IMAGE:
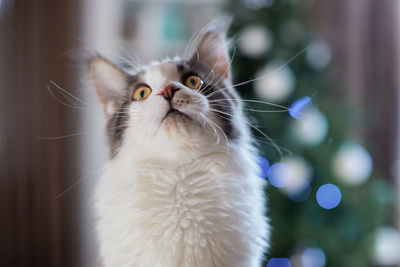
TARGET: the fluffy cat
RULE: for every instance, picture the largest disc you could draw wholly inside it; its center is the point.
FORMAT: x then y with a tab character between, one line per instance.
182	187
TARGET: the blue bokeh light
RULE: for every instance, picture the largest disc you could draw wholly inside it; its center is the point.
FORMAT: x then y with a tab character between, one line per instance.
264	166
302	195
329	196
279	262
297	108
279	175
313	257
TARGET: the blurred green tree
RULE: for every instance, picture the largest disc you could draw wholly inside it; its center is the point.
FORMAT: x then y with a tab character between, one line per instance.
326	203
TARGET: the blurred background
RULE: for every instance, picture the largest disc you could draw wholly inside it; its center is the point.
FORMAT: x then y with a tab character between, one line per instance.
327	91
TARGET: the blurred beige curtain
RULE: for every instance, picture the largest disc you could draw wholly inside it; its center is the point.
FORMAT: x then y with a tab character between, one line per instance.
36	228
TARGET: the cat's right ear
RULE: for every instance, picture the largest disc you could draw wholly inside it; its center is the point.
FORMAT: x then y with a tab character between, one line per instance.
110	83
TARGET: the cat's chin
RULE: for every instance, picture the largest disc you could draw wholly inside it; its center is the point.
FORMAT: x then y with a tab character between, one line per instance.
178	124
174	114
176	120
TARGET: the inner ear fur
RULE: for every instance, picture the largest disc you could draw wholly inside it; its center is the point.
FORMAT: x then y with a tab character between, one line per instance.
110	83
212	49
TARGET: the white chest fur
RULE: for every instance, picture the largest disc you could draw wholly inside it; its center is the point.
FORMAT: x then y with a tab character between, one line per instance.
207	213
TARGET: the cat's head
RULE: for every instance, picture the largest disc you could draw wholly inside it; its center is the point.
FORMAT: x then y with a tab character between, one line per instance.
171	107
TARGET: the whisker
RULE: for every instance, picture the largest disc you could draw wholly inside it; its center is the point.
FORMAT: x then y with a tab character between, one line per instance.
60	137
75	134
255	128
206	81
261	140
60	101
277	70
68	93
222	131
212	127
78	182
254	110
265	75
228	67
252	101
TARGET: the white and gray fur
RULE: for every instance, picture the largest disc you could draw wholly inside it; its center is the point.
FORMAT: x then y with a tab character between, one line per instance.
181	188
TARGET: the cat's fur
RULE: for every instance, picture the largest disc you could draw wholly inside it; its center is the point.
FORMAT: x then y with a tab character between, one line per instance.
183	189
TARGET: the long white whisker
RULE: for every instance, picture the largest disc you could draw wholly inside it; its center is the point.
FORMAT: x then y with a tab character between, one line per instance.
74	134
78	182
68	93
227	68
254	110
252	101
59	137
226	138
277	70
255	128
212	127
60	101
265	75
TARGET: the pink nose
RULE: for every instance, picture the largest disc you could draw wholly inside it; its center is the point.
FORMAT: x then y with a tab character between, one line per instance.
168	91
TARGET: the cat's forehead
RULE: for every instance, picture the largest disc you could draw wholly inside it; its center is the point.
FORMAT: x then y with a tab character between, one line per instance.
161	72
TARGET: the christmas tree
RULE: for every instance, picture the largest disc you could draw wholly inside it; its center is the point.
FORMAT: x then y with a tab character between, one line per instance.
327	202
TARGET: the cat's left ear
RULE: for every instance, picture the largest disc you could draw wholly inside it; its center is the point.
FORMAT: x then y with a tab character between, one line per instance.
212	50
110	83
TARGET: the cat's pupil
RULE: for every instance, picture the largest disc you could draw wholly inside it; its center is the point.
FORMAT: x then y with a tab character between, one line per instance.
142	93
193	82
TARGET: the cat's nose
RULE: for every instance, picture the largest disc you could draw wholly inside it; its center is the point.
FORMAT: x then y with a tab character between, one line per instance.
168	91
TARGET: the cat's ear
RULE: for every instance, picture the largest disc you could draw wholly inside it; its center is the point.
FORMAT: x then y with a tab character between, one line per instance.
110	83
212	49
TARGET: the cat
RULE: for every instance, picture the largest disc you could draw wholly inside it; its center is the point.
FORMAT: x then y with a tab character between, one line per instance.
182	186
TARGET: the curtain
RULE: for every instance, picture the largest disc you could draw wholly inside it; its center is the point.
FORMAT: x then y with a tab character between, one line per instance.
37	228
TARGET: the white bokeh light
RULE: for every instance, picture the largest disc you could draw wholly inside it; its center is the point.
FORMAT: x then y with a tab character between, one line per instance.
312	129
319	54
292	176
275	82
352	163
279	175
387	246
300	174
255	41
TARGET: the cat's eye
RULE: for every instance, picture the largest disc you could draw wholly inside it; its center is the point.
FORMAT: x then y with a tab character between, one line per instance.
141	93
193	81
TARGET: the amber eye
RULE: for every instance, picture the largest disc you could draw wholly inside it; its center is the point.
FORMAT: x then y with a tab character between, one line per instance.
141	93
193	82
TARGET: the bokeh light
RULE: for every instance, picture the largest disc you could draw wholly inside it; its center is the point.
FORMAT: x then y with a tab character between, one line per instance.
279	262
319	54
302	194
313	257
329	196
276	81
279	175
297	108
264	166
292	175
352	163
255	40
387	246
312	129
299	176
